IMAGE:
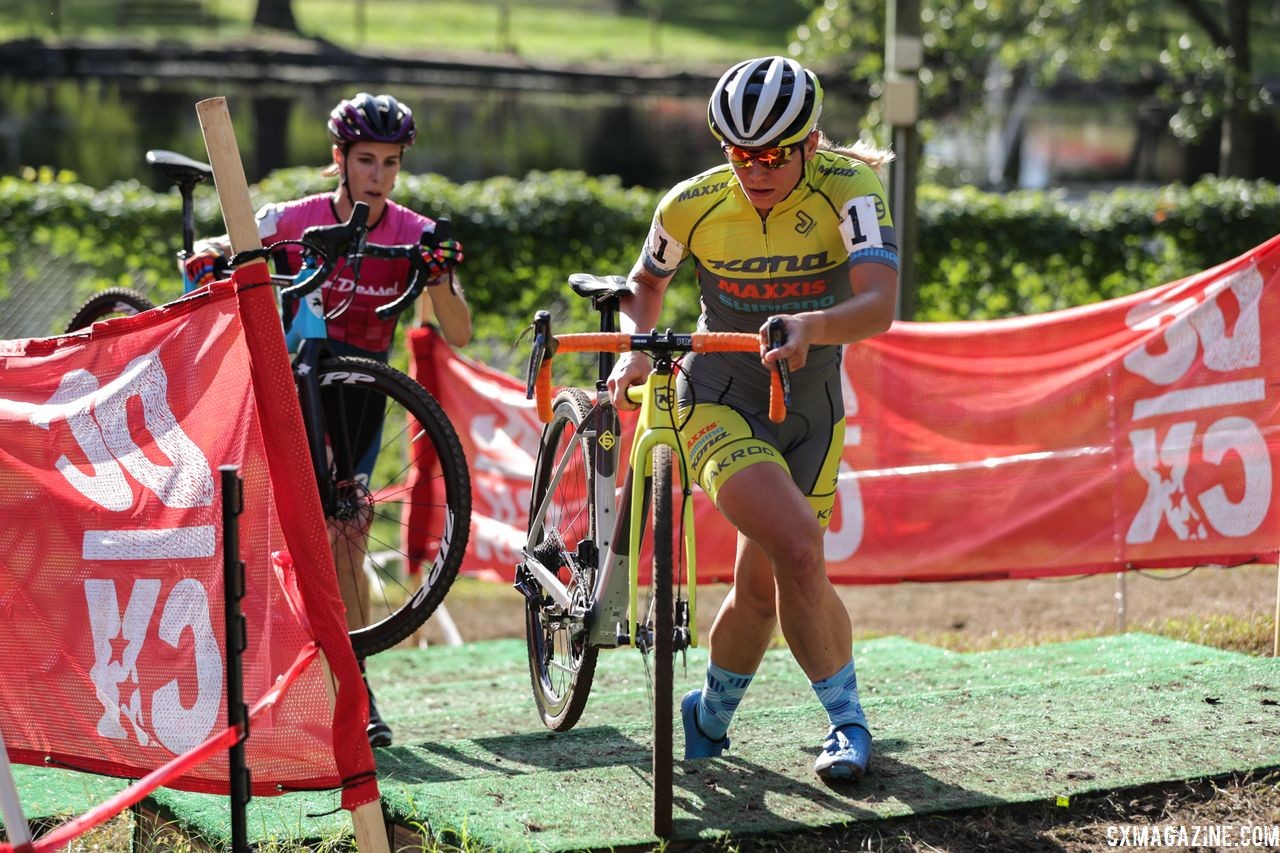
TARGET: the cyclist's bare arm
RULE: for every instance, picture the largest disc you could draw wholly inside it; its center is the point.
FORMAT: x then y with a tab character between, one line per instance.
443	301
869	312
639	312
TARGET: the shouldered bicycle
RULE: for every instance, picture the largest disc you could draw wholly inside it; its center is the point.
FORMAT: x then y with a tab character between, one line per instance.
579	569
368	427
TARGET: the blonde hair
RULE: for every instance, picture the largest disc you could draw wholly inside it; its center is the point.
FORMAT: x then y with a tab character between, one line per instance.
332	170
868	152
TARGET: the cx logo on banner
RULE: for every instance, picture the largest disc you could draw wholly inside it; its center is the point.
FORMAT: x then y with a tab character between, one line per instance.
119	638
98	420
1174	428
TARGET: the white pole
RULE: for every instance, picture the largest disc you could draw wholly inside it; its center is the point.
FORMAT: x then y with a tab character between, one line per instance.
10	807
1275	639
1120	603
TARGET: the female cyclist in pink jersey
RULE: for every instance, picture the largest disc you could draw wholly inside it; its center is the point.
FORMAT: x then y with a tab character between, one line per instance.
369	134
788	227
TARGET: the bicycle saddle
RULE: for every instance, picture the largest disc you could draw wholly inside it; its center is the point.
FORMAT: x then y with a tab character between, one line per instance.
177	168
602	289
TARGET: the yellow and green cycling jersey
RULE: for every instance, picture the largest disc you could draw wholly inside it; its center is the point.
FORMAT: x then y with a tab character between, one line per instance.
748	268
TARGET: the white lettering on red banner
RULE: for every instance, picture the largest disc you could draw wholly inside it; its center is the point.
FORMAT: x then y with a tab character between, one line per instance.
1133	433
1232	353
117	642
99	421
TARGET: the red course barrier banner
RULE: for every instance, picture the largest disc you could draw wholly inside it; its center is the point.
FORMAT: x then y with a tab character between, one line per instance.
111	563
1135	433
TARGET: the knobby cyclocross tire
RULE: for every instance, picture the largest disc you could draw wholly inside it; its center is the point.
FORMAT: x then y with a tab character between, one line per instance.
426	522
113	302
663	638
561	660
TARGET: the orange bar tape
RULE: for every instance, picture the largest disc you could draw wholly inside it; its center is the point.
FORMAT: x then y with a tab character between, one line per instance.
542	391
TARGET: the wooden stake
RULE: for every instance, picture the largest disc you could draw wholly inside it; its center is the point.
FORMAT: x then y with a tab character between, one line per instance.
242	228
228	174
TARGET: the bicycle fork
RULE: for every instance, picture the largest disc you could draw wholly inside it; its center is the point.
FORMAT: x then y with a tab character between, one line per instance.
620	551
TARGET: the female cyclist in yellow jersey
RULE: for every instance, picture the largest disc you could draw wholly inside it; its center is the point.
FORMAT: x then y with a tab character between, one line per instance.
790	228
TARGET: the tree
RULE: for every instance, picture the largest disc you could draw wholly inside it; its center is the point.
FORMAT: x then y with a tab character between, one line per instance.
276	14
990	55
1238	97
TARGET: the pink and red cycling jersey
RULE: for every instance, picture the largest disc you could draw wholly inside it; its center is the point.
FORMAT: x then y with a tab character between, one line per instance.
381	279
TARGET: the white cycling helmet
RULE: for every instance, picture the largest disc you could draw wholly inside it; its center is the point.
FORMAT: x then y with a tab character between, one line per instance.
766	102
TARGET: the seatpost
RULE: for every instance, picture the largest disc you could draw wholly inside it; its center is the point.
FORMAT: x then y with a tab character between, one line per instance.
608	323
187	189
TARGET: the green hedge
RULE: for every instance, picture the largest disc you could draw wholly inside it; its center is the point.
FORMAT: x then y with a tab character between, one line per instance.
981	255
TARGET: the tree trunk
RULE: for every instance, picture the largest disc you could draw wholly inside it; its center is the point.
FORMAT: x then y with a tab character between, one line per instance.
1237	155
276	14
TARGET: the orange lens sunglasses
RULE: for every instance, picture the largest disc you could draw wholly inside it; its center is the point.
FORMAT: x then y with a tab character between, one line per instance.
770	158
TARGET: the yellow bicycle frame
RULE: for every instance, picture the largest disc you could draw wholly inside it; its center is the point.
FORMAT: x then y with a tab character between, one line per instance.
656	425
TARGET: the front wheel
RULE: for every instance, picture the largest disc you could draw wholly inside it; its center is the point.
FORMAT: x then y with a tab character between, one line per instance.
400	499
113	302
562	539
663	638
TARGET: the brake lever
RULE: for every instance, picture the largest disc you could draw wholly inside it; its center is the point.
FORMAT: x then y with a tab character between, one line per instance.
541	335
778	337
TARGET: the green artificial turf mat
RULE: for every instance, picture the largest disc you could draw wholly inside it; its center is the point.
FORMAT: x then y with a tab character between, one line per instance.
50	796
953	731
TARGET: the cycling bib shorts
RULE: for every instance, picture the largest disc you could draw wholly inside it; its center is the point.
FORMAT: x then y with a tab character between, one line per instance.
721	440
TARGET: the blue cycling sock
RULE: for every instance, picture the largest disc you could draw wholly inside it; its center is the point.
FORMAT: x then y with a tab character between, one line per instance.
839	695
720	697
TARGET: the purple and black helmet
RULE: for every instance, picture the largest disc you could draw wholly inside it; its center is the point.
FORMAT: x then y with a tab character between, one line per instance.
372	118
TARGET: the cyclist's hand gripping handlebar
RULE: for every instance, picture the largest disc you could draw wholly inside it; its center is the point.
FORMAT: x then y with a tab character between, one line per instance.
545	346
422	270
324	245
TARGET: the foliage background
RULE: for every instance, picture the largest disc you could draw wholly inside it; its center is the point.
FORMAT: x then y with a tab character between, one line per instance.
982	255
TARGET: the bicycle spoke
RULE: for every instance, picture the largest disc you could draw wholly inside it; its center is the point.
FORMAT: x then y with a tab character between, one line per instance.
393	520
561	661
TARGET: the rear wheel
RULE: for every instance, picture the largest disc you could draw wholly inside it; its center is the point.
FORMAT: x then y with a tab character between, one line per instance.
114	302
562	539
663	637
401	512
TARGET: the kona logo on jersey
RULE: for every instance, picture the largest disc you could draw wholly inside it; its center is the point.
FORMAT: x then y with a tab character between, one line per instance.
697	192
773	290
841	171
773	263
804	223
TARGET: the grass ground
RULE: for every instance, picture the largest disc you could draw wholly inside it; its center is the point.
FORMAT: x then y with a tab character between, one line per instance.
710	32
1229	609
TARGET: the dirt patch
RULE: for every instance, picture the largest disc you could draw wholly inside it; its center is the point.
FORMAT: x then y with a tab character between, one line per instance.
967	615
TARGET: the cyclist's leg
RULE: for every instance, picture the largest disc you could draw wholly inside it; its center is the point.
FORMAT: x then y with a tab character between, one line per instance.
349	538
766	506
720	438
782	555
